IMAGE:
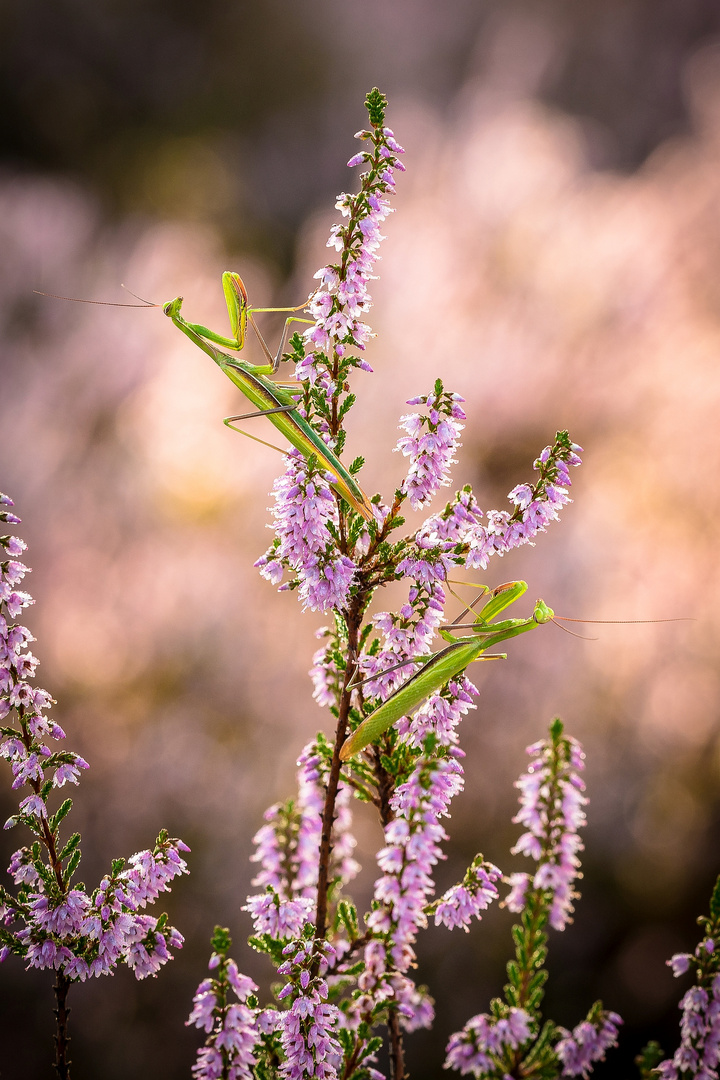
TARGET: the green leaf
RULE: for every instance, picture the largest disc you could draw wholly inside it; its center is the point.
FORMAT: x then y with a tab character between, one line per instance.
346	1039
648	1059
266	944
72	865
348	916
59	814
221	941
346	407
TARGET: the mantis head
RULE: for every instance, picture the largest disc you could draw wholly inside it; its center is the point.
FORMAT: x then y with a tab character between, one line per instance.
543	613
172	308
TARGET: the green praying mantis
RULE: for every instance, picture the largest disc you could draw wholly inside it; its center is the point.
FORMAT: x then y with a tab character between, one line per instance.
444	665
271	398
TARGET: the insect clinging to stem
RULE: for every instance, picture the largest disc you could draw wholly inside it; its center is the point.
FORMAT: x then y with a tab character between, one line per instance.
440	667
275	399
444	665
271	398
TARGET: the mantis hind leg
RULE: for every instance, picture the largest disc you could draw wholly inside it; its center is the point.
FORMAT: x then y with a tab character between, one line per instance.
228	421
275	361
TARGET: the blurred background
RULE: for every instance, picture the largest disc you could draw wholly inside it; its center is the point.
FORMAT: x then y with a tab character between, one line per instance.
555	257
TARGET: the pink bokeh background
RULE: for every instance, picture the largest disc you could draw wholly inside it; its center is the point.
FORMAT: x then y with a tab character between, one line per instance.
551	294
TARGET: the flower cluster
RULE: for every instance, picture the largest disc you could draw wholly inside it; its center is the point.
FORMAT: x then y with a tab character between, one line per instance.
459	535
64	928
307	1027
305	511
29	756
699	1051
229	1050
464	902
551	802
341	302
306	517
588	1042
412	848
287	847
430	443
85	936
480	1047
511	1040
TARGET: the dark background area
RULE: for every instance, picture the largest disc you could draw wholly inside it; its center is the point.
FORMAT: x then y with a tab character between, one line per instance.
556	253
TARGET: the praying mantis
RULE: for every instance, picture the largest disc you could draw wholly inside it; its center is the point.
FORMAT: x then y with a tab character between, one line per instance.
444	665
272	399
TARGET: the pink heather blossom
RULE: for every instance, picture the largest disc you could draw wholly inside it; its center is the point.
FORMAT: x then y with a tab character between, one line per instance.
21	867
343	299
680	963
86	937
578	1051
430	443
304	510
69	771
461	522
412	848
232	1029
287	848
699	1049
279	918
327	680
464	902
307	1027
480	1046
26	751
272	842
551	802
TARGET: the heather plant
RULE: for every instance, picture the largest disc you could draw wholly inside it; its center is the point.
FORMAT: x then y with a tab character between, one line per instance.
347	977
51	920
345	996
699	1051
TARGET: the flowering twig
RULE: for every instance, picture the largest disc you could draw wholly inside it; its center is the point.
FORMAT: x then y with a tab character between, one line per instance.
698	1054
512	1041
58	926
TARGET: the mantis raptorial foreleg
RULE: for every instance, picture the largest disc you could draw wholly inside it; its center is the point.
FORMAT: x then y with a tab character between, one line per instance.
240	313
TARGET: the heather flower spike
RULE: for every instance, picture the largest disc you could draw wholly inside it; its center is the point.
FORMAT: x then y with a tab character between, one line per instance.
551	802
225	1007
430	443
511	1039
698	1053
46	921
